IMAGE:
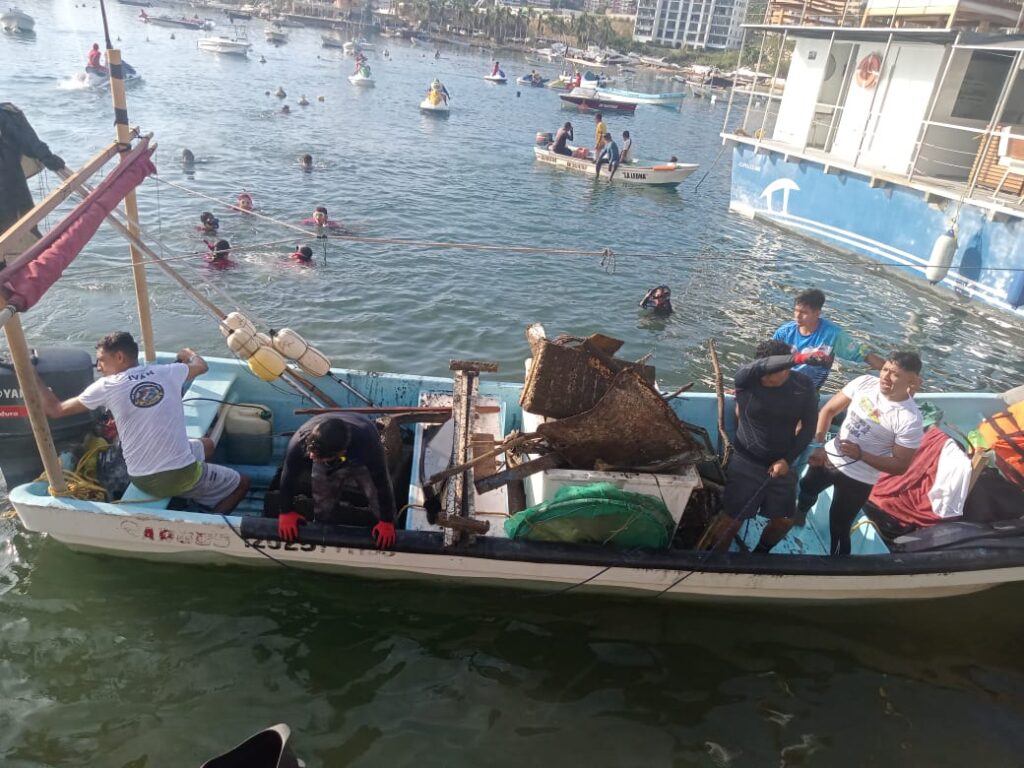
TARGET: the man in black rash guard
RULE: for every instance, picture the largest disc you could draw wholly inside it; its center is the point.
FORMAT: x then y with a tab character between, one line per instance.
330	449
778	411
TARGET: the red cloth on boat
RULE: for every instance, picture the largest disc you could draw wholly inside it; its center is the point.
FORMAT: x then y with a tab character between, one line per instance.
28	277
905	497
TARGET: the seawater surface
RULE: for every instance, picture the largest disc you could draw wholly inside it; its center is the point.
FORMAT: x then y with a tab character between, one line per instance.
121	663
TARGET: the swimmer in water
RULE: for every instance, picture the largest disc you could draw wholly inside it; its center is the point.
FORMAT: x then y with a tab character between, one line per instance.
280	92
321	220
220	254
306	162
658	300
187	158
303	101
303	255
209	224
245	201
286	110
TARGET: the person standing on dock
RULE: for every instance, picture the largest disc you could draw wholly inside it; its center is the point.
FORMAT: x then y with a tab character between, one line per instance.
777	409
881	433
146	403
326	453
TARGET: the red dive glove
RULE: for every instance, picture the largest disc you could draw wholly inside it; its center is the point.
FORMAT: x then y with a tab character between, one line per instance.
288	525
813	357
384	535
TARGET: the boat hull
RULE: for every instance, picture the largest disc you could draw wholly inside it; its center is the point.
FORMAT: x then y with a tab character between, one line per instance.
636	97
225	47
496	79
894	224
441	110
668	175
181	537
596	104
17	23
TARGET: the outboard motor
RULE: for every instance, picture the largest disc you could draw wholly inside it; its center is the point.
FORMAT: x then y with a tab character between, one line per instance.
67	372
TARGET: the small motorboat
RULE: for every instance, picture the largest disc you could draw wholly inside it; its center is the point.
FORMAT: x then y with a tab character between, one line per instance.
363	77
97	81
332	40
276	35
17	22
137	3
237	45
364	45
181	22
234	15
667	99
630	174
533	82
588	99
498	77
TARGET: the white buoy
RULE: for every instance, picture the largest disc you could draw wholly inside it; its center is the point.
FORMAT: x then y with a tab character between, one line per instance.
243	343
941	259
234	321
293	346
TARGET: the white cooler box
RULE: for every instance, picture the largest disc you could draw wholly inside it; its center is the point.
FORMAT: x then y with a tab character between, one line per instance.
674	490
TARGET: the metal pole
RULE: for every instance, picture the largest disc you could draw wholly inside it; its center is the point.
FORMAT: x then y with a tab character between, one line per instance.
931	109
775	76
828	52
33	403
131	208
757	70
996	117
874	97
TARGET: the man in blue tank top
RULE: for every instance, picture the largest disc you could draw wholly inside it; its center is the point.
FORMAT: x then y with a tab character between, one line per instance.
808	331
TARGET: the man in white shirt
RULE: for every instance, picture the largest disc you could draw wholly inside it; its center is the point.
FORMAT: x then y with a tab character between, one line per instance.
881	433
626	153
145	401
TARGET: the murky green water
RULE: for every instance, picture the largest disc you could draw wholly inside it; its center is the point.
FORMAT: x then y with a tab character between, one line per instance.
117	663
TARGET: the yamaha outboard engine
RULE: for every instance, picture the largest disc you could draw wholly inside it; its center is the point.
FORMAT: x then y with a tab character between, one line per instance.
67	372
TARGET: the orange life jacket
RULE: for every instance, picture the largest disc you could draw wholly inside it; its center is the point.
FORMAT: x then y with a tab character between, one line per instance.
1003	434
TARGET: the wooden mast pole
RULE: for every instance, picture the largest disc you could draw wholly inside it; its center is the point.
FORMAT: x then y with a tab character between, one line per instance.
22	359
131	209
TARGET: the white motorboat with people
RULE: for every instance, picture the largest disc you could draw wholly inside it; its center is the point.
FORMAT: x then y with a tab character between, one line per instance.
182	22
236	45
16	22
436	100
669	174
586	477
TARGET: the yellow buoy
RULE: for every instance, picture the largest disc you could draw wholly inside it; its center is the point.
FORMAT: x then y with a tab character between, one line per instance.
267	363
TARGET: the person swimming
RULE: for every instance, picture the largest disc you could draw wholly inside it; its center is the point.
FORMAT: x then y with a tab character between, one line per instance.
219	255
303	101
306	162
209	224
187	158
244	201
321	220
303	255
286	110
658	300
280	92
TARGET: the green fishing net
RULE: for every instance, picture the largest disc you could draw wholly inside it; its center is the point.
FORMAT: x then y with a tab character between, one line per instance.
599	513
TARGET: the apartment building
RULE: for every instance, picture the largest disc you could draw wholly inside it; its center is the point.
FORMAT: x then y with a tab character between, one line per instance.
713	24
614	7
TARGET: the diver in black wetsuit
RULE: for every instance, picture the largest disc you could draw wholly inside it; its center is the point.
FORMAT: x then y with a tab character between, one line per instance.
17	138
322	455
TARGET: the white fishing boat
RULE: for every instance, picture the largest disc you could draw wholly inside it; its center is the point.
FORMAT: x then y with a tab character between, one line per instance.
276	35
669	99
236	45
661	175
479	536
16	22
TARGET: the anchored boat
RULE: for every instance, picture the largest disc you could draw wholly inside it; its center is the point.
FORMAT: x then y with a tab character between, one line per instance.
17	22
236	45
662	175
589	99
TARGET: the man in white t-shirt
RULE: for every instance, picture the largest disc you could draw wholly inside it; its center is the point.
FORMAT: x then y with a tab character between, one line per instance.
145	401
881	433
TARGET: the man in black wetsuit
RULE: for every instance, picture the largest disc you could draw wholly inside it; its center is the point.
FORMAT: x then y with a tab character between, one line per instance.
778	411
17	138
322	455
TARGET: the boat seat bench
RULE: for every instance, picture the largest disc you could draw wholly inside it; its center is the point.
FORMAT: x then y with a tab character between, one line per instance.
203	418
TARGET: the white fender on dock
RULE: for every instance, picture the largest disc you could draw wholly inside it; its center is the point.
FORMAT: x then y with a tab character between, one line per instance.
941	259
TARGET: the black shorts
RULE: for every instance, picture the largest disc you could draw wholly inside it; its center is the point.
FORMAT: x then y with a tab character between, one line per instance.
745	496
